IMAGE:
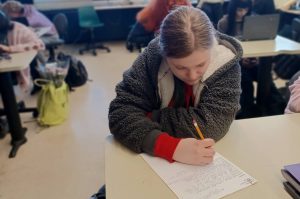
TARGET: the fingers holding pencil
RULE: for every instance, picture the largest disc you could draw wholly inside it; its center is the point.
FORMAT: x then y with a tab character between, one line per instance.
195	152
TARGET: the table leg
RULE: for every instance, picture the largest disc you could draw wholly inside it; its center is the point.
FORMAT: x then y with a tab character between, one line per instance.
264	80
12	114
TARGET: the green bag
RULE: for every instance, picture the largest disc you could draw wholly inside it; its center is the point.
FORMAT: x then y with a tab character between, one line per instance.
53	104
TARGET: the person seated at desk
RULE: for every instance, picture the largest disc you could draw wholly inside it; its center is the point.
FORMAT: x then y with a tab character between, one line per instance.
232	24
176	84
35	19
15	37
294	101
149	20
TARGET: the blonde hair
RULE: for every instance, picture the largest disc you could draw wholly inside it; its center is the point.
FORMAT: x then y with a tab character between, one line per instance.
184	30
12	7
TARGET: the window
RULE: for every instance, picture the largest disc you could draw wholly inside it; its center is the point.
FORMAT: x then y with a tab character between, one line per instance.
62	4
57	4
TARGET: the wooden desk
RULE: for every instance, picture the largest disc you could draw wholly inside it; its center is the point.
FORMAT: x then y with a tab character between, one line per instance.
265	49
259	146
17	62
286	7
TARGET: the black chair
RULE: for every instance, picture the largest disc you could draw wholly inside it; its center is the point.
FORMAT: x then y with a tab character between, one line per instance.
214	11
296	29
287	67
294	78
22	20
89	21
61	24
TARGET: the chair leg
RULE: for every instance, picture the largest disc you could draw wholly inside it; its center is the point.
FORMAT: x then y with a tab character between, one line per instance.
23	109
87	46
101	46
51	54
91	44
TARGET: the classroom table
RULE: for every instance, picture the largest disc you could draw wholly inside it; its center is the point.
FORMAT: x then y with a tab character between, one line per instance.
259	146
41	31
265	49
289	7
17	62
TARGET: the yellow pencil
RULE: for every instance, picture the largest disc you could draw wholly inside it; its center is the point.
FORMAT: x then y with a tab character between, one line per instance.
198	129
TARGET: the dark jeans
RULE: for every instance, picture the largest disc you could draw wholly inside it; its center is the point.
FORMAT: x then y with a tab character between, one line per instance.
247	101
214	11
248	109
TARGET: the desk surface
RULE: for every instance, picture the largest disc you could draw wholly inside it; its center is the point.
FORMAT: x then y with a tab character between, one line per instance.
17	62
41	31
287	5
266	48
260	147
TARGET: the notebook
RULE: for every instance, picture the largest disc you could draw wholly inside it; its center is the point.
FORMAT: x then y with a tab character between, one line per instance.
291	190
260	27
294	170
292	181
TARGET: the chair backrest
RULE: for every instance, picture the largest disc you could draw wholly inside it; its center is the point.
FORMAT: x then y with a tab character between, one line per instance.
88	17
296	29
294	78
61	24
22	20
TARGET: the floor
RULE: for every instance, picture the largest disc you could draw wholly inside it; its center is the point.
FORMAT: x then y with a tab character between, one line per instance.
67	161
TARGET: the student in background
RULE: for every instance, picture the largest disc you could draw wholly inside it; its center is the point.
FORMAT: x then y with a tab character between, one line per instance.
15	37
294	101
149	20
176	84
232	24
35	19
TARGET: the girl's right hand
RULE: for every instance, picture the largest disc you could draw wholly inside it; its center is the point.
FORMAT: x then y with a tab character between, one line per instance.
194	152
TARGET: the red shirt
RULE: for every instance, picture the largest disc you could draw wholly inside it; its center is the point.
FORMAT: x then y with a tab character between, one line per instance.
165	144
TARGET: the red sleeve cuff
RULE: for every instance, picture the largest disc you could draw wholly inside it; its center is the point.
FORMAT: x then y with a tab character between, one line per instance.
165	146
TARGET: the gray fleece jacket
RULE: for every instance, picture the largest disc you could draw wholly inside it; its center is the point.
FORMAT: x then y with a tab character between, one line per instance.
139	93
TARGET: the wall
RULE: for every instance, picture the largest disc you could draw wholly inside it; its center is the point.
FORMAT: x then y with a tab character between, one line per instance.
117	24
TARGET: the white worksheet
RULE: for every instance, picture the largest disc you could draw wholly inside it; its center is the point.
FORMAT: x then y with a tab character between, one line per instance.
215	180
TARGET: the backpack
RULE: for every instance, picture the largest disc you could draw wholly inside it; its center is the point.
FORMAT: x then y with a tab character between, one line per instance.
77	73
286	66
52	103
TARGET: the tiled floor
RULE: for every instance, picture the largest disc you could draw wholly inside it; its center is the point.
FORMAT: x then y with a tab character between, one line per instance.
67	161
